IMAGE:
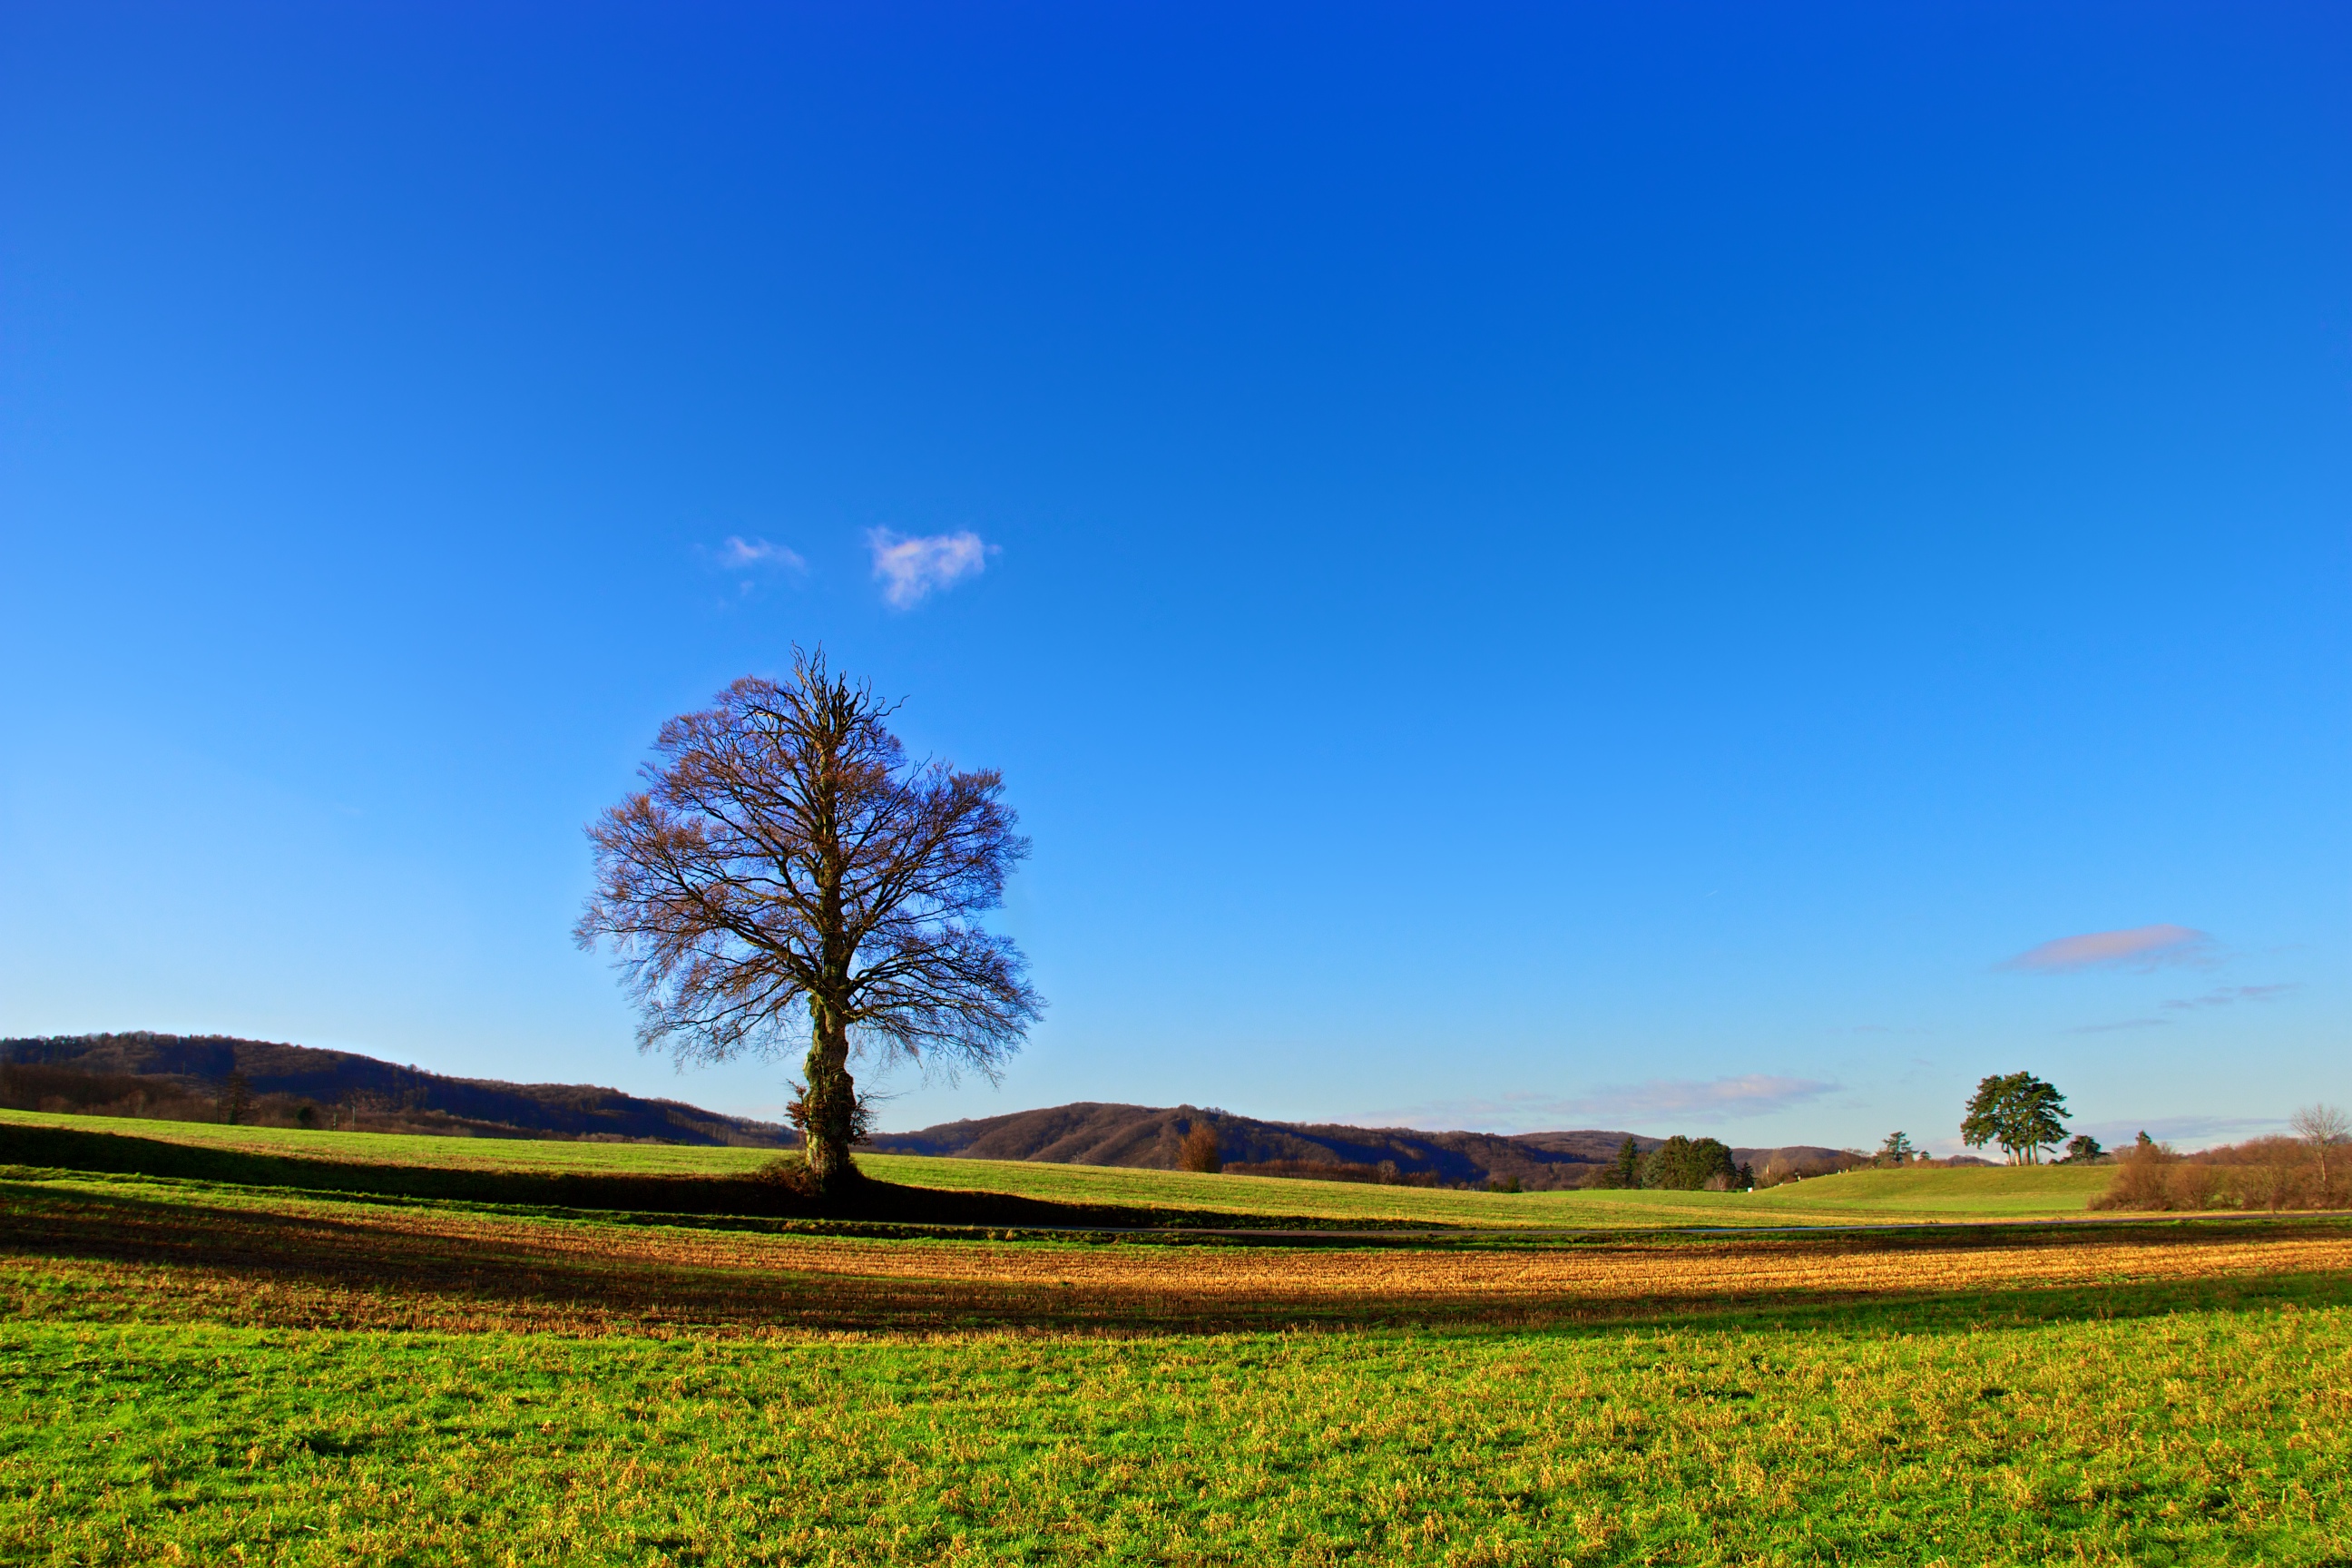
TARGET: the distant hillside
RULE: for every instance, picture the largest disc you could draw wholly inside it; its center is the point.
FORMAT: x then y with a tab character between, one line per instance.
1087	1133
180	1076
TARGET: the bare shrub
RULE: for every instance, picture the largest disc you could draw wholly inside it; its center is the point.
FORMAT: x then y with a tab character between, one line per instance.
2141	1179
1199	1151
2275	1174
2326	1130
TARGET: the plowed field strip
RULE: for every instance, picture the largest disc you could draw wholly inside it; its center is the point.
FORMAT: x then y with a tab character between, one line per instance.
335	1262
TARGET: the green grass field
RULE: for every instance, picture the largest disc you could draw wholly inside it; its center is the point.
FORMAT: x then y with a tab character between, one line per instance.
2044	1192
200	1371
2203	1436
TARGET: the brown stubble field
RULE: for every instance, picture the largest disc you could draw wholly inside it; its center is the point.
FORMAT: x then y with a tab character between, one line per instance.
112	1250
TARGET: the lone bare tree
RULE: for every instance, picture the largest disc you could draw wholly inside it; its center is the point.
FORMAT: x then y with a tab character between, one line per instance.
787	866
2324	1127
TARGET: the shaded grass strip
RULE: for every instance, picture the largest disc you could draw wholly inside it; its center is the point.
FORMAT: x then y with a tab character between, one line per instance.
871	1201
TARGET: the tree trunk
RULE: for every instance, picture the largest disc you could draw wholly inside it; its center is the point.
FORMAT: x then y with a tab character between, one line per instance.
830	1102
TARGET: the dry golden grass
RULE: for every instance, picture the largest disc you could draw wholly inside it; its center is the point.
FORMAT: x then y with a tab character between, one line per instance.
171	1252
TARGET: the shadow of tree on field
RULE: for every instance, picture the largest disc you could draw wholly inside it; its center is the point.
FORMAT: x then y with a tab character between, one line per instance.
115	1154
266	1259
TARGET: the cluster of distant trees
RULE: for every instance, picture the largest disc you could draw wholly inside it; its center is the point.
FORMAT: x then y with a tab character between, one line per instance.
1687	1164
1678	1164
2017	1113
2307	1167
37	1086
2022	1115
231	1099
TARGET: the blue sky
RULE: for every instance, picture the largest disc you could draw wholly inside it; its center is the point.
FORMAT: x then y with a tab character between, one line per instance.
1525	567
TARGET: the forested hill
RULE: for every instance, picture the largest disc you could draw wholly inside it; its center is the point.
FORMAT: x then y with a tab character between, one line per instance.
183	1077
1087	1133
144	1074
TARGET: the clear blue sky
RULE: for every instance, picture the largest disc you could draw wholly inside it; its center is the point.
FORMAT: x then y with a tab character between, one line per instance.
1534	567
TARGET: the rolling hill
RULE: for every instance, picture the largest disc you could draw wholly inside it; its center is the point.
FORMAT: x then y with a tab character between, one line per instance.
180	1077
1147	1137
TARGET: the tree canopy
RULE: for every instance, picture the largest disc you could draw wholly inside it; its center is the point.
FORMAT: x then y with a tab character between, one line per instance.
2018	1112
787	867
1687	1164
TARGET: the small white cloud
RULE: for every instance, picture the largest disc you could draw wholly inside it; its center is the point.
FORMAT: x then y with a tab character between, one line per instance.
2125	1023
909	567
2141	947
742	554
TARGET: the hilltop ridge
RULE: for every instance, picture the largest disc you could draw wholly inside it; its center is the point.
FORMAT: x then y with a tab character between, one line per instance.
1090	1132
179	1077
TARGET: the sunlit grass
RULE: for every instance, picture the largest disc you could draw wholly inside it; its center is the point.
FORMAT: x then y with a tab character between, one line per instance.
2046	1191
201	1371
2214	1436
551	1155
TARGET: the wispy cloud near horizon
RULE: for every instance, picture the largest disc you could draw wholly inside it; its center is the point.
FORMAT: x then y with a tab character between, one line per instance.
2231	995
2194	1132
2224	996
1749	1094
2140	947
910	567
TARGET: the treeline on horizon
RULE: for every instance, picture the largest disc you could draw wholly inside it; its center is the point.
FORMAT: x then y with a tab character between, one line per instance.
1677	1164
147	1076
407	1106
2307	1168
231	1100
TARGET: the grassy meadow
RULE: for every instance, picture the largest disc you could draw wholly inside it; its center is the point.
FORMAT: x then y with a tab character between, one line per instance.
207	1372
1922	1197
